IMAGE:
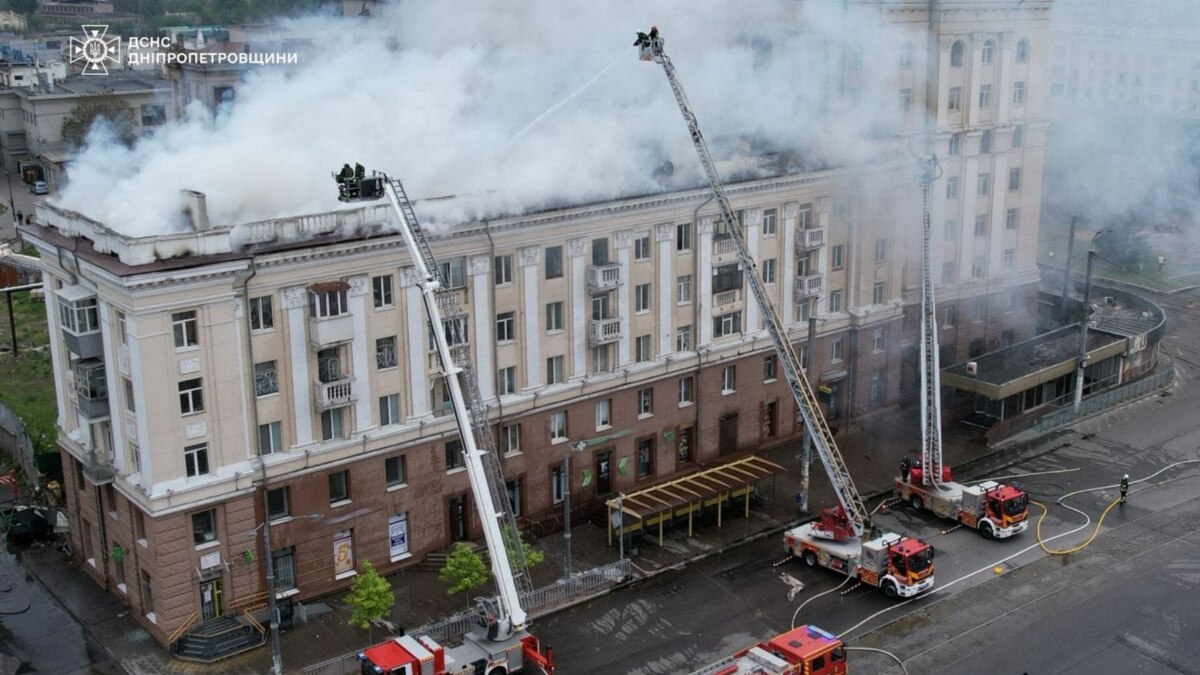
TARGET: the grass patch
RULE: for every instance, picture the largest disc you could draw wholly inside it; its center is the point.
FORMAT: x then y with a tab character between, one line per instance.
27	380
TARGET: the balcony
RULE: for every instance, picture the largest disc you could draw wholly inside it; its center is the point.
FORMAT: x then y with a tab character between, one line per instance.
605	331
91	389
808	286
724	247
807	240
724	298
330	330
79	316
334	394
603	277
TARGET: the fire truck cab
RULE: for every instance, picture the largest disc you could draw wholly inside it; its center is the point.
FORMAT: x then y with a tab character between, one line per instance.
806	650
897	565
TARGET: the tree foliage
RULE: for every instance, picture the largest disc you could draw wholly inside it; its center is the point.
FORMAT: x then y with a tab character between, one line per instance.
464	570
116	112
532	555
370	597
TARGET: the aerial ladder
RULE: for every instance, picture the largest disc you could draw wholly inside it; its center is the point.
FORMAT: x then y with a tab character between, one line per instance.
839	539
994	510
502	644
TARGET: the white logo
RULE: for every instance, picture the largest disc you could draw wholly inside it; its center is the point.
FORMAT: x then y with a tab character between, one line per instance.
95	50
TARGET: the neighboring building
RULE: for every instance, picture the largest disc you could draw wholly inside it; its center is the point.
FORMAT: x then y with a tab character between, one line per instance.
1134	56
19	74
31	118
188	367
85	9
12	21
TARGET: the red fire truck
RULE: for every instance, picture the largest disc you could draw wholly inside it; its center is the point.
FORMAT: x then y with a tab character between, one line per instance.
806	650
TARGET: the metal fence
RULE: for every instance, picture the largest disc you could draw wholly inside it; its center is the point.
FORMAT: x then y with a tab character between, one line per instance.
1108	399
539	602
15	441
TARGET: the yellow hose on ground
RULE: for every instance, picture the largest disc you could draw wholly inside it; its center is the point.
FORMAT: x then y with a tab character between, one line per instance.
1073	549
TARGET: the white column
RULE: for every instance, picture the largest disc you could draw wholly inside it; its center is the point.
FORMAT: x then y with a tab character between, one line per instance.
295	300
825	221
1004	79
975	53
112	380
360	355
530	257
139	401
996	226
704	269
581	309
967	187
417	342
666	288
945	43
787	271
59	362
625	306
752	228
481	332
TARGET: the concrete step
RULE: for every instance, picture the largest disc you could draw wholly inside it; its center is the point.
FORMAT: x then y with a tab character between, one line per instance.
434	561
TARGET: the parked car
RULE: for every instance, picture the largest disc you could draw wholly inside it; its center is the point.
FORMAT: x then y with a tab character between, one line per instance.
39	187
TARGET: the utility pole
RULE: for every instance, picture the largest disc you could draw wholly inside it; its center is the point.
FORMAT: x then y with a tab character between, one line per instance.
806	445
269	563
1066	285
1087	292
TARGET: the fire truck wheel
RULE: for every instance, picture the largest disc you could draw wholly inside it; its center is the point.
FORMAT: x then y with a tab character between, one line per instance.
889	589
810	558
916	502
987	530
498	671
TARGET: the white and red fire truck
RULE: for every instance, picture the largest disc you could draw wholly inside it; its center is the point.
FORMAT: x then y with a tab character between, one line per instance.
996	511
806	650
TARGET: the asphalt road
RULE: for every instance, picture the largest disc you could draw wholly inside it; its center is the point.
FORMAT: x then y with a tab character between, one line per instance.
1126	603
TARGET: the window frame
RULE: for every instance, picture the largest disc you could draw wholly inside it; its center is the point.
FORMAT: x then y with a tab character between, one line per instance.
558	426
191	396
338	483
273	436
185	327
262	314
506	327
382	294
395	471
554	316
502	270
195	460
209	535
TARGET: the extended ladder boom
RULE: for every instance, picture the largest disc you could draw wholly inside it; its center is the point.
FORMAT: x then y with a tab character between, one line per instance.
479	454
652	50
931	399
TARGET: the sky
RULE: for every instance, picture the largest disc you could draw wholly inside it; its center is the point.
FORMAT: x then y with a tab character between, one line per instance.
511	107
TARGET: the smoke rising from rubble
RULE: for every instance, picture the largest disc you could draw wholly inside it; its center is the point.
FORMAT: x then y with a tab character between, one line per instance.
437	93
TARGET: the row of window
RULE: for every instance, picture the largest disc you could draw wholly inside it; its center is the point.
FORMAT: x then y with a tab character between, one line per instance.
983	183
985	141
954	97
987	52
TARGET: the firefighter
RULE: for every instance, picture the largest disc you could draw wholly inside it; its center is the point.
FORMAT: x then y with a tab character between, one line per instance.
1124	487
359	171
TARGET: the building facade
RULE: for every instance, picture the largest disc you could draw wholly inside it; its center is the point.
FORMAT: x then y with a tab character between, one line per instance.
281	372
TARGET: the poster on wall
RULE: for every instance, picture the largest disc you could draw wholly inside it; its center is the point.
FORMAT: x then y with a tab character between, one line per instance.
398	535
343	553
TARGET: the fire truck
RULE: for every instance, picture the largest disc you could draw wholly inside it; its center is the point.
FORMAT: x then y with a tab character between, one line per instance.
806	650
500	644
996	511
898	565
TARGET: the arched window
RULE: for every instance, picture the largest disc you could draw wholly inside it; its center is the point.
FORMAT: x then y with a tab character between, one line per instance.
956	54
1022	50
989	49
906	55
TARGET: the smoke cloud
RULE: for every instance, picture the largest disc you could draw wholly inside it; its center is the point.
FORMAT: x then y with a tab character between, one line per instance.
512	108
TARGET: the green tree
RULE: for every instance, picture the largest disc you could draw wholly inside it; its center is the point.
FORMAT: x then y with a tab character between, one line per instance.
464	570
370	598
532	555
111	108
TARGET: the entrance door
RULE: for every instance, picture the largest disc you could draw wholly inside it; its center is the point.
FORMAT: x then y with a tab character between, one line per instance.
729	434
603	477
458	518
210	599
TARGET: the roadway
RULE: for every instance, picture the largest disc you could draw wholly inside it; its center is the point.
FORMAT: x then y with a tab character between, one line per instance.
1126	603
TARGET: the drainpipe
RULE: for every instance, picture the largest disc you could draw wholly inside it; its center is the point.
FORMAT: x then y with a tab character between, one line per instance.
268	563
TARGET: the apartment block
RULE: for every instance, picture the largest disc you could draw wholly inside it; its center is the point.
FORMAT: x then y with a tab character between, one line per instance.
214	381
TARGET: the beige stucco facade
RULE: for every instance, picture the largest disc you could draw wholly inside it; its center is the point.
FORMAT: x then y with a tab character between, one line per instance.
625	316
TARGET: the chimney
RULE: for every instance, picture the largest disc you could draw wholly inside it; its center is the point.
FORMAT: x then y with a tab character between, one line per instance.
196	209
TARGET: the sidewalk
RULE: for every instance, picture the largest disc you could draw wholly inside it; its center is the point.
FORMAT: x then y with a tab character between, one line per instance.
872	448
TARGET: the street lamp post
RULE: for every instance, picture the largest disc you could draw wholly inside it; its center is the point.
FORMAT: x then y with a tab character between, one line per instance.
568	448
269	564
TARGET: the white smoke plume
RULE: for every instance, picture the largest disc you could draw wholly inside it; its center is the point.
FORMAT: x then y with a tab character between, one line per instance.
443	94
